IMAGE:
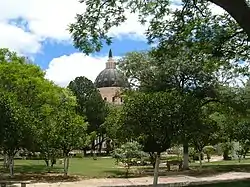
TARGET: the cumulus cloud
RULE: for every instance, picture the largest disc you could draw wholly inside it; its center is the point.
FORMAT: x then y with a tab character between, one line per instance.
50	19
65	68
47	19
18	40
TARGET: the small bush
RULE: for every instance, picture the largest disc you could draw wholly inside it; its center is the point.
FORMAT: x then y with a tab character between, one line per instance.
128	154
209	150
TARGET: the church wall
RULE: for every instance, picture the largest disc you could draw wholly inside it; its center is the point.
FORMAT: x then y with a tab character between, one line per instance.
110	94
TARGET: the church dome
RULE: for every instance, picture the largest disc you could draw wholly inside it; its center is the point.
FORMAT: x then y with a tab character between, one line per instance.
110	76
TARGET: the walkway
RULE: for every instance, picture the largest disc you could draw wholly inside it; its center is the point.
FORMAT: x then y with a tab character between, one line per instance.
147	181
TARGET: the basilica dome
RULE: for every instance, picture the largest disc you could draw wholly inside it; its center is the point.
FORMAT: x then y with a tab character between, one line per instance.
110	76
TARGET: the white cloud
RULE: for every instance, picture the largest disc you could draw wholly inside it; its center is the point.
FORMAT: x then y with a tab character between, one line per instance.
48	19
66	68
18	40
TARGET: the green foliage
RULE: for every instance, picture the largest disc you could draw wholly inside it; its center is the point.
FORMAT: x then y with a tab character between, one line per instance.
70	126
194	155
151	118
207	132
89	102
35	115
127	153
192	22
209	150
113	123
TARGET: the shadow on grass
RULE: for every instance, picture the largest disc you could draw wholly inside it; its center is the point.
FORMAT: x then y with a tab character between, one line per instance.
218	169
195	171
40	173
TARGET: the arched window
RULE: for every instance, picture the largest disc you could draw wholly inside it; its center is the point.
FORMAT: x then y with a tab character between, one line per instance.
113	99
105	98
121	100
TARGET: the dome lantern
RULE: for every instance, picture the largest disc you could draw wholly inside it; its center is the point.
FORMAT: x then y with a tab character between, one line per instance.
110	64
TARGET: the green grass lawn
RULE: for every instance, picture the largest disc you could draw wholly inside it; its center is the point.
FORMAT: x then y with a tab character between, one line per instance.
83	167
105	167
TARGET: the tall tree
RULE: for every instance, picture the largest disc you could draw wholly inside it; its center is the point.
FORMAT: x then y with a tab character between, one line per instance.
152	118
90	104
192	77
70	126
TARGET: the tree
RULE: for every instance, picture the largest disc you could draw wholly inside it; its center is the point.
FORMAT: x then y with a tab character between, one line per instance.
151	118
208	150
207	132
13	128
89	104
90	30
23	92
193	77
112	124
127	153
47	132
70	126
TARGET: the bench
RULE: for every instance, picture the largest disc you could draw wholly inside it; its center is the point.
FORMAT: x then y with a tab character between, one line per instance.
5	183
174	162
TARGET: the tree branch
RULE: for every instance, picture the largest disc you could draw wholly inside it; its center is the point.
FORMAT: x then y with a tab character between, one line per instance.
239	10
209	101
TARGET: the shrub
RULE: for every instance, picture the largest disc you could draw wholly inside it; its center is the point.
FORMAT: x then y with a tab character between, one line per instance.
208	150
128	154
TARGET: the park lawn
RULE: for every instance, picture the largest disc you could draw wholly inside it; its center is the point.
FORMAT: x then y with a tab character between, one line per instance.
87	167
223	166
102	167
223	162
105	167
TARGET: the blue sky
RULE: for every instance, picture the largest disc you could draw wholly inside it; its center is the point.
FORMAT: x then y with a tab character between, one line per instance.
37	29
119	48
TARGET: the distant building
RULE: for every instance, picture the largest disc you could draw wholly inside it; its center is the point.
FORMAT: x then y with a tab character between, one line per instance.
110	81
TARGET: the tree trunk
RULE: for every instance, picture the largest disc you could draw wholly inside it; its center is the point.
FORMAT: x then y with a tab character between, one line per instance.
92	148
5	161
239	10
200	160
156	170
47	162
11	165
186	157
52	162
84	152
66	165
100	146
225	155
152	156
108	146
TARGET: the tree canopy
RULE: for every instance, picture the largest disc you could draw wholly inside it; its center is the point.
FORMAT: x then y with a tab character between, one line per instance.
90	30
